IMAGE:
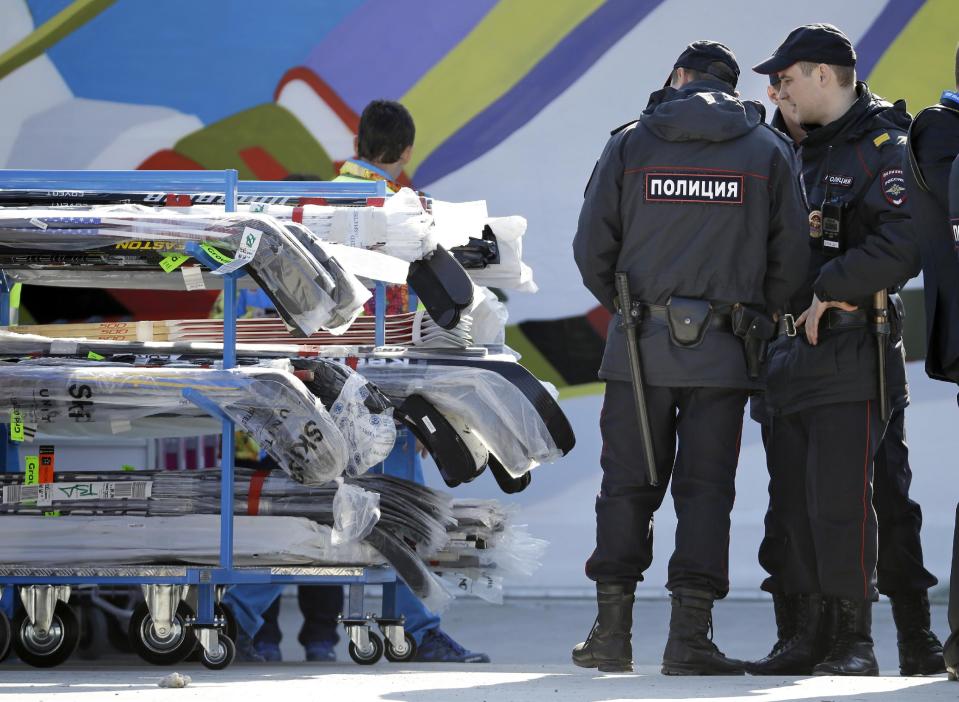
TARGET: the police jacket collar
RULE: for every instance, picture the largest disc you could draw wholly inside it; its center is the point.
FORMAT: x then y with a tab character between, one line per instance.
867	113
704	110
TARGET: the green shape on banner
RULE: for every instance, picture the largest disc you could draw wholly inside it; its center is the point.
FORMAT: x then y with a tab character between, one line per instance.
127	469
16	425
216	254
15	296
269	132
171	262
94	356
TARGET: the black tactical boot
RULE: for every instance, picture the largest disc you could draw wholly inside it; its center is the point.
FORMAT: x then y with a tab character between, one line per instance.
608	646
798	653
851	652
690	649
920	652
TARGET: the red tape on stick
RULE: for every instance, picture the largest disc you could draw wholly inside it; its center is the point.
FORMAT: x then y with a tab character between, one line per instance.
256	487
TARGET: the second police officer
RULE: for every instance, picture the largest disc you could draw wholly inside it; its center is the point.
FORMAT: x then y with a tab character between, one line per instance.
699	203
901	573
823	385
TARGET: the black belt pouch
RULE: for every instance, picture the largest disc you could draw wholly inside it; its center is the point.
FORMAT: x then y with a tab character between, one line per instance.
688	320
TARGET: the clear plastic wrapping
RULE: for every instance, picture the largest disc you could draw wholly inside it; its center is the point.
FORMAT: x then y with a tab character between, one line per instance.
495	409
272	405
91	541
304	292
370	435
355	512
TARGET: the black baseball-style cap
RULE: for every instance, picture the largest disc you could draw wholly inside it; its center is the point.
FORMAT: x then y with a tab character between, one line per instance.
703	56
820	43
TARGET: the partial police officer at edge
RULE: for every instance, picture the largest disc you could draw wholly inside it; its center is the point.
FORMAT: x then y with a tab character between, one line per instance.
933	147
901	572
823	384
699	202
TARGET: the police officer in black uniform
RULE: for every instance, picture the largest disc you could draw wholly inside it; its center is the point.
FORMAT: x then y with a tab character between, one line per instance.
901	573
699	201
933	145
823	382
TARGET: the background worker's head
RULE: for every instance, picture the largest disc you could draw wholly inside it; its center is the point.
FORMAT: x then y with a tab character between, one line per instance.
816	67
786	110
385	137
705	60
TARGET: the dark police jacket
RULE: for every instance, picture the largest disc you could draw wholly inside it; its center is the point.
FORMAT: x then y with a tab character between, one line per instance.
696	199
933	144
865	174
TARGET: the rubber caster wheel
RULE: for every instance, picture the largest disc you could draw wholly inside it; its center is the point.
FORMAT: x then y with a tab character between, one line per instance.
367	657
405	655
226	652
158	649
229	628
52	647
6	634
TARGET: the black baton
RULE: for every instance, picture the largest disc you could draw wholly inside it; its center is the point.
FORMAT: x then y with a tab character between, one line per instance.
629	313
880	327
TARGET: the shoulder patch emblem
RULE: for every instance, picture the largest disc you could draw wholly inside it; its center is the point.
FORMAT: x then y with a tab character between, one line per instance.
881	139
679	187
893	183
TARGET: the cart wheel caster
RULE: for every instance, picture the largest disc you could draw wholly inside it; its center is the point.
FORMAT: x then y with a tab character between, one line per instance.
226	652
158	649
6	634
403	656
52	647
371	656
229	628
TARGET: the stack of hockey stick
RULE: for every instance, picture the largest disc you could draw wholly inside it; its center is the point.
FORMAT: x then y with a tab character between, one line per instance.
485	546
469	412
309	289
409	329
403	521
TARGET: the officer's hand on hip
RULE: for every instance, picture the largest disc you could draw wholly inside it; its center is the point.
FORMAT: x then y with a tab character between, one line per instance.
810	318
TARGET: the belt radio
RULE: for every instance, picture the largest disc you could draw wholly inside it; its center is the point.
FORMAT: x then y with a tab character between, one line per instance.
832	208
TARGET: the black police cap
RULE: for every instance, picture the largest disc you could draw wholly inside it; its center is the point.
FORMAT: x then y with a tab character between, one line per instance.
819	43
710	57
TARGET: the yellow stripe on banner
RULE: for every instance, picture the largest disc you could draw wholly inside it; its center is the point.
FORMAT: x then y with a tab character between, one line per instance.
512	38
920	64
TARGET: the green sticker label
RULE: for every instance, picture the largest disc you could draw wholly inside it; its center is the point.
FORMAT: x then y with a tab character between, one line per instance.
94	356
31	471
16	425
171	262
216	254
15	296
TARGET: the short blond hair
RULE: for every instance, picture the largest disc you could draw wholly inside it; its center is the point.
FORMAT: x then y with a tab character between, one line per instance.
845	75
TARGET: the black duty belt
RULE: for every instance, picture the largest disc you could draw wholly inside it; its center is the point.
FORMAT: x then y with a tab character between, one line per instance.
657	313
834	319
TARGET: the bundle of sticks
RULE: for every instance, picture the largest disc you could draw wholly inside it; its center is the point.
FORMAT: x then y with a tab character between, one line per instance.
408	329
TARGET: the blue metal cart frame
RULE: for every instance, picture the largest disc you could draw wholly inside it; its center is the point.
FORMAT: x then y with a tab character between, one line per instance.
49	585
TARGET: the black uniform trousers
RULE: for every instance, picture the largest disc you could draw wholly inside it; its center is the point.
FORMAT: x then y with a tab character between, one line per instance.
950	649
708	425
320	605
900	562
821	493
